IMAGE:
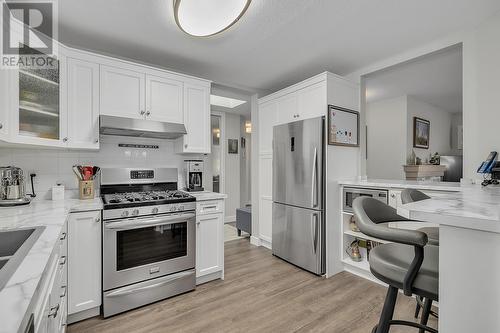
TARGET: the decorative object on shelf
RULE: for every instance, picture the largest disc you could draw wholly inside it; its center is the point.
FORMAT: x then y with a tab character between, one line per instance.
418	161
343	127
352	224
232	146
435	159
208	18
411	160
421	133
353	251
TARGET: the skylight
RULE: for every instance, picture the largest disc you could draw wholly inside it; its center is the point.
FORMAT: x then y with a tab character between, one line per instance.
225	101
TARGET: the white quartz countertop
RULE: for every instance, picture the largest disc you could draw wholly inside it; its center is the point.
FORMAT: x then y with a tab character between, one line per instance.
207	195
17	295
394	183
473	208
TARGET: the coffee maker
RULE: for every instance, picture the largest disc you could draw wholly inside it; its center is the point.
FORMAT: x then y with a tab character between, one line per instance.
12	187
194	175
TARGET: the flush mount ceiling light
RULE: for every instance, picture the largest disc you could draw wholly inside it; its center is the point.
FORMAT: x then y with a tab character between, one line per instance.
208	17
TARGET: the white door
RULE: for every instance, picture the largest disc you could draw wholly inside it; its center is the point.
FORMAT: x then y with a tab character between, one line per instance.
197	119
84	261
122	92
267	119
312	101
287	108
209	244
83	104
164	99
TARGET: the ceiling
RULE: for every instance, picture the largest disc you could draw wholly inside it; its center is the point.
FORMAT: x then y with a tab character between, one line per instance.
276	43
434	78
242	110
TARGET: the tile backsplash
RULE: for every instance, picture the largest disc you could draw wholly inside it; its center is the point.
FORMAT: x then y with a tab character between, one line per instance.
53	166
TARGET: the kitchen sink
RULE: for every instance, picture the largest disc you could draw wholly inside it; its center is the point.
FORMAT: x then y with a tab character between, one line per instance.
14	246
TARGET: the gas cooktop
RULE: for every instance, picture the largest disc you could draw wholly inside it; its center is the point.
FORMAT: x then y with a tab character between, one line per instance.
145	198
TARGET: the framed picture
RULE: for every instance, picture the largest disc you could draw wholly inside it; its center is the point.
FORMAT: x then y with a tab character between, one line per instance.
421	133
343	127
243	143
232	146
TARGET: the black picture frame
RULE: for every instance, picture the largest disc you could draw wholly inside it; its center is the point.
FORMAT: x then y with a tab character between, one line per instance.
421	133
348	138
232	146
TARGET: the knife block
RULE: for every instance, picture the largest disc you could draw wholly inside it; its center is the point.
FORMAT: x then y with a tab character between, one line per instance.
86	188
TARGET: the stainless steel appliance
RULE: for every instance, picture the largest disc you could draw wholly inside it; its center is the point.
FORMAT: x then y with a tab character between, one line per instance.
454	168
298	194
113	125
194	175
12	187
148	238
351	193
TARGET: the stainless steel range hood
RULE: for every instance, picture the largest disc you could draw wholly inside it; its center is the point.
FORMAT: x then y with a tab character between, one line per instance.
112	125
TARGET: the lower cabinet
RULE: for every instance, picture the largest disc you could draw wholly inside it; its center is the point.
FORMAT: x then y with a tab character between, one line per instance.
84	267
209	246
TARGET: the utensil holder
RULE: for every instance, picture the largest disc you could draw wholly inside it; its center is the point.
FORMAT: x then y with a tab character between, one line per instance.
86	189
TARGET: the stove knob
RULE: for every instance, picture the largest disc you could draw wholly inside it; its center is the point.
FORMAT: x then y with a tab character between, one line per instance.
181	208
172	209
155	210
125	213
135	212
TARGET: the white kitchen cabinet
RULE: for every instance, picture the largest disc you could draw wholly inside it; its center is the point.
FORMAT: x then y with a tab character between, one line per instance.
287	108
164	99
311	101
4	103
209	240
267	119
83	104
196	120
84	256
122	92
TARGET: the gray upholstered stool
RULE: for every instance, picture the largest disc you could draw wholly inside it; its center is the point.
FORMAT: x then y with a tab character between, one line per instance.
406	263
411	195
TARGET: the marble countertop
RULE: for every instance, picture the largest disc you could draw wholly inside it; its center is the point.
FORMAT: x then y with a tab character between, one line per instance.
207	195
394	183
16	297
473	207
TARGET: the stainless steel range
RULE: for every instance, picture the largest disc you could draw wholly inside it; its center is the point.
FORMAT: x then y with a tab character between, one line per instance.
148	238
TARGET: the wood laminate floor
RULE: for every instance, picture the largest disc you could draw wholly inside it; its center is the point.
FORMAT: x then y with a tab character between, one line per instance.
262	293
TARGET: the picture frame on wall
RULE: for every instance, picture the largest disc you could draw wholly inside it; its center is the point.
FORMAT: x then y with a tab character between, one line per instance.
421	133
232	146
343	127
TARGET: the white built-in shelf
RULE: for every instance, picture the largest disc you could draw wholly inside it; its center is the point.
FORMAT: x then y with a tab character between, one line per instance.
361	235
38	111
363	264
348	213
38	77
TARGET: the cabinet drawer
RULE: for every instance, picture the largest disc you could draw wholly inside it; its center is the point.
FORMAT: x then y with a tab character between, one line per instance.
209	207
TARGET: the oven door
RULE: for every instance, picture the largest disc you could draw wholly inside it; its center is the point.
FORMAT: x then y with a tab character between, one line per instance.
139	249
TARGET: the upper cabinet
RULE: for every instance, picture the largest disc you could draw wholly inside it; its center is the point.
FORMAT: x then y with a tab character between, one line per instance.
164	99
122	92
196	120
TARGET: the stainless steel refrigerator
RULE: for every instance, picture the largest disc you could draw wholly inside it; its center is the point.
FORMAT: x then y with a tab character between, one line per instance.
298	194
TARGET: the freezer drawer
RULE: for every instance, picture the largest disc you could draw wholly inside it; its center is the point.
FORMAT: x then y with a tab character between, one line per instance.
298	237
298	163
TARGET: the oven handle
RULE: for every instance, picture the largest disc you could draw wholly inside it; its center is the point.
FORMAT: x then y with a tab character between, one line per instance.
163	281
148	222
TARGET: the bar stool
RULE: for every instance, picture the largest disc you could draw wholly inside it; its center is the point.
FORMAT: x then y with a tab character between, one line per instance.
406	263
411	195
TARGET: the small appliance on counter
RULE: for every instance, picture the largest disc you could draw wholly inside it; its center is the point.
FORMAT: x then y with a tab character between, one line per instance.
12	187
194	175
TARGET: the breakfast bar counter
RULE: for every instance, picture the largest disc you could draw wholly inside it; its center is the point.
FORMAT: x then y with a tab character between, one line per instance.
469	256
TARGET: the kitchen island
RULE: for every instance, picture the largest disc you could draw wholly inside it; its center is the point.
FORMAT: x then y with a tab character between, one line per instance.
469	256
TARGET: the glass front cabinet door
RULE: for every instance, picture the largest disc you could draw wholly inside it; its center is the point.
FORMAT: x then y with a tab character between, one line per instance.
39	104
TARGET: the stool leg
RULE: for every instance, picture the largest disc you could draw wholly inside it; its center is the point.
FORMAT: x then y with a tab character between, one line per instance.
425	313
388	310
417	308
239	233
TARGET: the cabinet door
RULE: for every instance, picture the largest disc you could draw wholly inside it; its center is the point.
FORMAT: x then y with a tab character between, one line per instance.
267	119
5	95
84	261
83	104
312	101
209	244
122	92
164	99
287	108
196	119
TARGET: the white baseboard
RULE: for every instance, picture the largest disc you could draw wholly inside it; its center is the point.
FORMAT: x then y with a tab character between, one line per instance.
266	243
262	241
82	315
209	277
254	240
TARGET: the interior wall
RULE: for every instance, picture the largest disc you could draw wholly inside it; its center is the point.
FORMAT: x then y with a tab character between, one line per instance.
439	138
232	166
386	122
245	168
55	166
456	133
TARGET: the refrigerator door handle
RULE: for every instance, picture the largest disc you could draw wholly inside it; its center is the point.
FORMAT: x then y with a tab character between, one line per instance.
314	185
314	231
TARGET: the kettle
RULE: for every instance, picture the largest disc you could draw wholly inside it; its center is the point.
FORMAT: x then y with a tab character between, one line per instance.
12	187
